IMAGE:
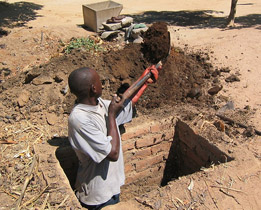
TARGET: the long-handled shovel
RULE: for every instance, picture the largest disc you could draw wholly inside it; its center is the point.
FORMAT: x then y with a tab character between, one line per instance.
136	86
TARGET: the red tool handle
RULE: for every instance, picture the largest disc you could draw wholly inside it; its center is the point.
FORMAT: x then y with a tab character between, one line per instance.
129	92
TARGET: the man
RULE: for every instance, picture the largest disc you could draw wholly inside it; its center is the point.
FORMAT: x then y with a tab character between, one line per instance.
94	135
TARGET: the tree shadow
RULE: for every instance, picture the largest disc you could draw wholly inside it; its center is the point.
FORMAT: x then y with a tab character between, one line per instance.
17	14
197	19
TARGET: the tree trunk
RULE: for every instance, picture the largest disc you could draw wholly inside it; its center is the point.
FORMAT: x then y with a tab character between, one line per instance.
231	17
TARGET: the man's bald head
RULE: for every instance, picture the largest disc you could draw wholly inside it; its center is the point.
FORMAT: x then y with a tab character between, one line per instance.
82	80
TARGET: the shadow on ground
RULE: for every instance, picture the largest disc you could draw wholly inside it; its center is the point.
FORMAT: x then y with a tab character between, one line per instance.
197	19
66	157
16	14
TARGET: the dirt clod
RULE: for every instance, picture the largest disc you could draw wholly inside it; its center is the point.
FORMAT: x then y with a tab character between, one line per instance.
156	42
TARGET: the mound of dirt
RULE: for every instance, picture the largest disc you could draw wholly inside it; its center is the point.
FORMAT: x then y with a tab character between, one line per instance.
156	42
42	94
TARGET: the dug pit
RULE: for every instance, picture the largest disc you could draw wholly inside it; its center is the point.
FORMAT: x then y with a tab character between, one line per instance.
155	153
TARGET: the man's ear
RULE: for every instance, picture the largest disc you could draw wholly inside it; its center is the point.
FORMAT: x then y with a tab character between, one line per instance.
93	88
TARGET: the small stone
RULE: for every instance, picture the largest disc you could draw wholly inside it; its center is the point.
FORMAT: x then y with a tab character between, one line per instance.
232	78
64	90
138	40
40	80
214	90
59	77
2	46
5	71
194	92
137	32
230	151
30	76
220	125
250	131
225	69
23	98
216	73
127	21
51	118
216	80
247	107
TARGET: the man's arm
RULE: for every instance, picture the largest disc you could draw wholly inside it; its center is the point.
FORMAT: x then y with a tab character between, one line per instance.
112	130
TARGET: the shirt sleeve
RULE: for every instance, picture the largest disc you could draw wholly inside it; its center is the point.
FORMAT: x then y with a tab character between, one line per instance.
126	113
90	140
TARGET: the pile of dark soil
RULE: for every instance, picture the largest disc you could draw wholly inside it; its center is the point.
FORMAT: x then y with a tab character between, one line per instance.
156	42
42	91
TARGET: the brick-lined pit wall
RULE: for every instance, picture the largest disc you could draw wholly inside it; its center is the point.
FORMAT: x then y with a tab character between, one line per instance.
155	152
146	147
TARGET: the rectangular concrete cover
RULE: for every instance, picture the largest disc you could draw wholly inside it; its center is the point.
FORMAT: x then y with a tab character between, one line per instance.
95	14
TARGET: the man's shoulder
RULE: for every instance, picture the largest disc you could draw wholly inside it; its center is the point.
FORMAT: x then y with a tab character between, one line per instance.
104	102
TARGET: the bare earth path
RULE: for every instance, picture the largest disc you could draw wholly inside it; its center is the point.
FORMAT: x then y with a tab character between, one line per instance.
191	29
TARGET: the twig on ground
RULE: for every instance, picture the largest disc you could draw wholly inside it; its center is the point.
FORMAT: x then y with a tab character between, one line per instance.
45	202
237	123
228	188
28	178
229	195
210	194
9	193
32	200
8	142
66	197
143	202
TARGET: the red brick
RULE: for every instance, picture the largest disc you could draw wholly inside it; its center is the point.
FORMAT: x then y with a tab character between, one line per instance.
169	134
135	177
135	133
148	141
144	142
158	138
143	153
155	127
128	156
128	146
164	146
141	165
128	168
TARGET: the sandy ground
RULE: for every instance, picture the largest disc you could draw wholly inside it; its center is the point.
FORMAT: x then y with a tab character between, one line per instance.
238	48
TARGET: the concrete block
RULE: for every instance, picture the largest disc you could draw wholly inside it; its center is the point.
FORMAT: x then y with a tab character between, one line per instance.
95	14
127	21
107	34
137	32
111	26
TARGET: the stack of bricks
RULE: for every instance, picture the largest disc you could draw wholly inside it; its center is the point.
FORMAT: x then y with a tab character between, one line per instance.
146	147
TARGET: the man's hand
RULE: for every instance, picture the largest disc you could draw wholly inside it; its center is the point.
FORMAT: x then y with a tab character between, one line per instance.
154	71
115	106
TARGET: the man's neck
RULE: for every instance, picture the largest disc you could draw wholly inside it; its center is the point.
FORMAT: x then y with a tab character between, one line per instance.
93	101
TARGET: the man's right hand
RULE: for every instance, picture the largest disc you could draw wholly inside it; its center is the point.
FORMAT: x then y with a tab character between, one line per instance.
116	105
